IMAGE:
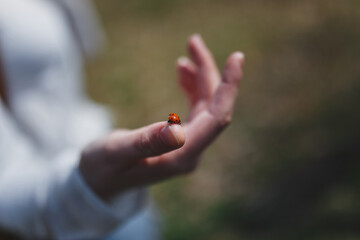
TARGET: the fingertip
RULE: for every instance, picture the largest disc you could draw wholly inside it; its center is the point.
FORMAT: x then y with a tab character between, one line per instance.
173	135
195	36
239	56
194	42
233	68
182	62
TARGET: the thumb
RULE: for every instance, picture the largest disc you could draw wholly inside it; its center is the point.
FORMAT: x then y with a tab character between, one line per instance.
152	140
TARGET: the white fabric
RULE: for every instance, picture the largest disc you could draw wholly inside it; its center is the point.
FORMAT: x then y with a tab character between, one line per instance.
87	28
49	120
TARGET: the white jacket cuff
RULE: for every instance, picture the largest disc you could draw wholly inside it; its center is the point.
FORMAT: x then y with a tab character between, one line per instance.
75	212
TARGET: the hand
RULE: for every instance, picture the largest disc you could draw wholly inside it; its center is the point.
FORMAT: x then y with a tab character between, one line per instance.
127	159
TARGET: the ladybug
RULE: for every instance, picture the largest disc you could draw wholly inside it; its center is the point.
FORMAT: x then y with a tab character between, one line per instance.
174	118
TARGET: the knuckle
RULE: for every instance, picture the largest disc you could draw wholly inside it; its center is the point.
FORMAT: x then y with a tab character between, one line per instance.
221	117
148	145
110	151
224	120
110	147
143	145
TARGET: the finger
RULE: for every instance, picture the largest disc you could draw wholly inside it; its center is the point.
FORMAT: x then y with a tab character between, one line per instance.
207	125
209	77
187	73
224	99
152	140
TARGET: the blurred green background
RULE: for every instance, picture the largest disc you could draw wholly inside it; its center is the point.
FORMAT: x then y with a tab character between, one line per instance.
288	166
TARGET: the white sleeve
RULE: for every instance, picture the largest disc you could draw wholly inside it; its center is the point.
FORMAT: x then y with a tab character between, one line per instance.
49	199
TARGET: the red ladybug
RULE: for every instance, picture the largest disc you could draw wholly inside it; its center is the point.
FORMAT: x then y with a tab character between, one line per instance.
174	118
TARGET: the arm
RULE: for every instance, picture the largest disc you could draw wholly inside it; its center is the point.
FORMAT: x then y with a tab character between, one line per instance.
61	200
44	199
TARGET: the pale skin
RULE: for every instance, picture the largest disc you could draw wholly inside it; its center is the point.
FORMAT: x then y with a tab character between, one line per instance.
134	158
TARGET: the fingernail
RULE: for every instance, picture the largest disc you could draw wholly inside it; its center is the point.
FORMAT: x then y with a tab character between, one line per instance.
169	136
183	61
240	56
196	36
